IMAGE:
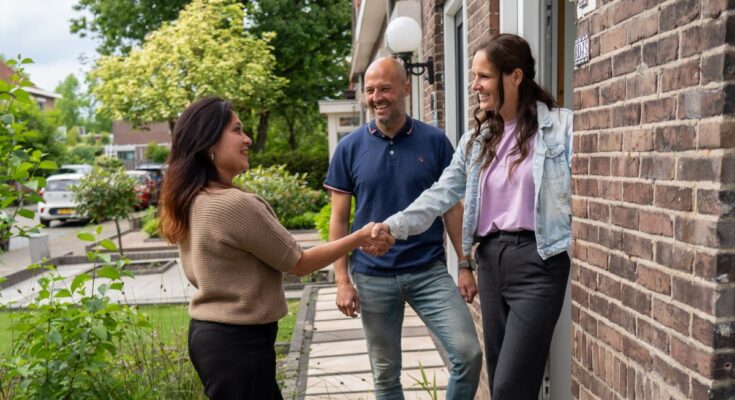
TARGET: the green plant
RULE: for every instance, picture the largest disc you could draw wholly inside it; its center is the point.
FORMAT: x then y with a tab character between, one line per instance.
423	383
286	193
321	221
156	153
20	163
150	223
150	228
303	221
106	193
314	166
70	335
82	154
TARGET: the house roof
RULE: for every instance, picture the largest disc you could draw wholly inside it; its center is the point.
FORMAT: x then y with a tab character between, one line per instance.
6	72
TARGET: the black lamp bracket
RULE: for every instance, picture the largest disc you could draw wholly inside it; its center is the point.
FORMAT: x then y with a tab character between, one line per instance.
418	68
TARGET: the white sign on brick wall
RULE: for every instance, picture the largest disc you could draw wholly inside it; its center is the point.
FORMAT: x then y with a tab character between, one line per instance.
581	50
584	7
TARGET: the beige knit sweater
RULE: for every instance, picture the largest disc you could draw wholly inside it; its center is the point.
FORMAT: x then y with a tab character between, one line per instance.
235	255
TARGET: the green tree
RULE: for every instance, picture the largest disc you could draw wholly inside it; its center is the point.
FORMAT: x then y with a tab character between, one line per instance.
204	52
41	128
20	163
72	103
123	24
72	137
97	122
311	47
82	154
156	153
312	43
106	193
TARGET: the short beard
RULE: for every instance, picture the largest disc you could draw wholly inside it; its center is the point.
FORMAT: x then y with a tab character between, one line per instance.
390	120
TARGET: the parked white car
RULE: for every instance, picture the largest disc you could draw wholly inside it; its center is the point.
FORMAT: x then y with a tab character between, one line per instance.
58	200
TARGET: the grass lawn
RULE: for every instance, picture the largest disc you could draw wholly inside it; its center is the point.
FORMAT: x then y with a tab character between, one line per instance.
171	322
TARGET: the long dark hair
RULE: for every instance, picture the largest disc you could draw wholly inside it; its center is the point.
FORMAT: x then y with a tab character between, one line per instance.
190	169
506	52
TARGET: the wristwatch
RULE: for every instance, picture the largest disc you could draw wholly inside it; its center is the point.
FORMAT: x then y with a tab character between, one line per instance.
467	263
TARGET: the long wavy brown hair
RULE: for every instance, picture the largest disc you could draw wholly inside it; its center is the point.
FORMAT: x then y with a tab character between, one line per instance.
506	52
190	169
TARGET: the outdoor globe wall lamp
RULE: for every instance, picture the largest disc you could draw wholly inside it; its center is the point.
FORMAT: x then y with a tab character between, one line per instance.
403	35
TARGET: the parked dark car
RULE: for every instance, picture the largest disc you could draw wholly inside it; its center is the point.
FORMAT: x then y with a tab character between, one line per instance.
157	171
146	189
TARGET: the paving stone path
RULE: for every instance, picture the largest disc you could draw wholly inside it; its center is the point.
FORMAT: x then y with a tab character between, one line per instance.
339	368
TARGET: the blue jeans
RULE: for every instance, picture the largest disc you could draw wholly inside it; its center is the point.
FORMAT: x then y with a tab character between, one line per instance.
434	296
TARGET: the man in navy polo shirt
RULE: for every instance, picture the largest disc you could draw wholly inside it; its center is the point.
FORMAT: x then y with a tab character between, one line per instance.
385	165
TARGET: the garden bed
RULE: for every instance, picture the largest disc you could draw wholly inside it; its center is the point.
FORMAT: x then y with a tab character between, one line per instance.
146	267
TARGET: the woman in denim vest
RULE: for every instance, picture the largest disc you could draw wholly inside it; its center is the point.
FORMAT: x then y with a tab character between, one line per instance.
514	172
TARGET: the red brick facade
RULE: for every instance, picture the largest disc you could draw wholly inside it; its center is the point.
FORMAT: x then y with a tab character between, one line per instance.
124	134
654	188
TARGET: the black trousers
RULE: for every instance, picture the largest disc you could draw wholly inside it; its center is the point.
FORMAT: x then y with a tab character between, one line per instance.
235	362
521	296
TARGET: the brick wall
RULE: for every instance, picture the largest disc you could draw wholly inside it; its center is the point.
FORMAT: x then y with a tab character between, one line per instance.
433	46
654	202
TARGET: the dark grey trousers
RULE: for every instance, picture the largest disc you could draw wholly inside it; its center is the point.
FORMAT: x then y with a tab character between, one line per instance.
521	296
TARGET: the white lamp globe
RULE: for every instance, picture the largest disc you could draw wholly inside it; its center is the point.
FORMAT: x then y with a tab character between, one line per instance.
403	35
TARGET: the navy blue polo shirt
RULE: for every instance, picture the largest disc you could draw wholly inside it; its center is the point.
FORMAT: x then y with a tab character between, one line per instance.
385	176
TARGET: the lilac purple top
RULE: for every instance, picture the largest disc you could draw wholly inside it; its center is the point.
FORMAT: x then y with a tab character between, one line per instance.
506	202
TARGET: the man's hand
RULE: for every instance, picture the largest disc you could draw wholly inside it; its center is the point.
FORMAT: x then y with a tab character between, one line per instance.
467	285
379	231
377	241
347	300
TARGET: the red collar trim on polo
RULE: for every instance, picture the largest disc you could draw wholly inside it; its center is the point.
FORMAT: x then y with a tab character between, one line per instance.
407	127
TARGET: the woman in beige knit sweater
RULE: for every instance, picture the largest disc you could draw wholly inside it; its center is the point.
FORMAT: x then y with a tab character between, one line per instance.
234	251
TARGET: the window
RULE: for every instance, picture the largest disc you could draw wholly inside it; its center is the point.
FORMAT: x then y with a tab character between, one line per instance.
60	186
126	155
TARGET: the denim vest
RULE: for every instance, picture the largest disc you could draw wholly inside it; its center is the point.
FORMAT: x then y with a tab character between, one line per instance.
552	179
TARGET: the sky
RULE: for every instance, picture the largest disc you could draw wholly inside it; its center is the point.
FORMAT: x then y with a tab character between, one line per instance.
39	29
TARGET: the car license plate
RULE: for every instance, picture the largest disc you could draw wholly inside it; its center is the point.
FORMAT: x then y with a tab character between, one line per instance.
66	211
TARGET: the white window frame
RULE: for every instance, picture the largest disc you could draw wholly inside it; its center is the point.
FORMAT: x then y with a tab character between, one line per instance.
451	93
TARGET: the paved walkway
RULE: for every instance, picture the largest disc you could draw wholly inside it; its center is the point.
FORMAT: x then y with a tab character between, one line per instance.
59	244
339	367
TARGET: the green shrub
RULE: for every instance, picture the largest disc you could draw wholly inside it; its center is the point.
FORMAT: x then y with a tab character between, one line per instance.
313	165
287	194
106	192
150	228
303	221
75	342
150	223
82	154
321	221
156	153
69	337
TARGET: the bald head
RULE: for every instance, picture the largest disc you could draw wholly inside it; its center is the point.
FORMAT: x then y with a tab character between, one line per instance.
387	68
386	89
